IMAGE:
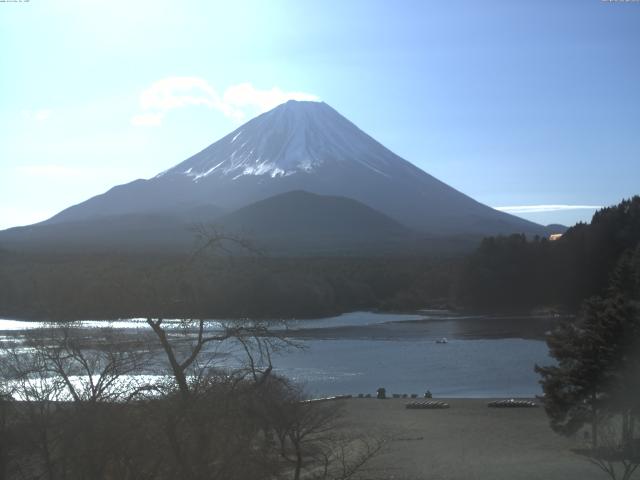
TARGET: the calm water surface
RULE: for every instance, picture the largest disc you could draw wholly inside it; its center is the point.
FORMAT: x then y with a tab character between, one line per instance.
485	356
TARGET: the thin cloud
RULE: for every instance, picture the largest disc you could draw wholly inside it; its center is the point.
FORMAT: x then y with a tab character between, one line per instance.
545	208
176	92
236	102
245	95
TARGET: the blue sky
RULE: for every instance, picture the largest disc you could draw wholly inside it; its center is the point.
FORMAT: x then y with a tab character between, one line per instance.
534	105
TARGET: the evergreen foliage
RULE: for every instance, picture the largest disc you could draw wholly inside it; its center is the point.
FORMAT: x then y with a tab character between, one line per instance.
516	273
596	380
70	287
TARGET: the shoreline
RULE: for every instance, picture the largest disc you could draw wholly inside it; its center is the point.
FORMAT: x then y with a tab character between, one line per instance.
469	440
433	325
456	312
361	352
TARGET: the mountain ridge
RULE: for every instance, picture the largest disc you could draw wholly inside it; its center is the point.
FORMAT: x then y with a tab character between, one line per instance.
296	147
299	221
305	146
292	223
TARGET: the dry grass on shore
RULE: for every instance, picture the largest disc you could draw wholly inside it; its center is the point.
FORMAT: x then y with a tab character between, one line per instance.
468	441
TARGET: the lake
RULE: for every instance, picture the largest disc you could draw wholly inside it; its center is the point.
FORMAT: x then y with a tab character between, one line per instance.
485	356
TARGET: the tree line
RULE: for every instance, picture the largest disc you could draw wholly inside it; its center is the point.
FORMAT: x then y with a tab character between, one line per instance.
109	286
504	273
517	273
596	379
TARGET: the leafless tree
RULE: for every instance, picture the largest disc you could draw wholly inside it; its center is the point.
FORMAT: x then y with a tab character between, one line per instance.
348	456
618	458
70	388
254	338
31	384
212	240
616	455
93	368
6	433
312	437
83	416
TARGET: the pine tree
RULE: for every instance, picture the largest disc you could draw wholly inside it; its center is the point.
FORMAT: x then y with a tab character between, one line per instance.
576	389
597	375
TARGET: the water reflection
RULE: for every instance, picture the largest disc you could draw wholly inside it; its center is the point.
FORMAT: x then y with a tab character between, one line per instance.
486	356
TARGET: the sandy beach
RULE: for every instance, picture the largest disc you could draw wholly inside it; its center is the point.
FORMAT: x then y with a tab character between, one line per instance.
468	441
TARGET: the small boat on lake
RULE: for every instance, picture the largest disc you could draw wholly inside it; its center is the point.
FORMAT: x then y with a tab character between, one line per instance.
442	340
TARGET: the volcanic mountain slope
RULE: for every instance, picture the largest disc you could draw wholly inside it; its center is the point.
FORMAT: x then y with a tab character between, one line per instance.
127	232
299	222
304	146
292	223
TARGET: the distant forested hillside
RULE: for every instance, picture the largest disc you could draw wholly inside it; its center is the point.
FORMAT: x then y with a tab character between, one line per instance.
515	273
511	273
122	286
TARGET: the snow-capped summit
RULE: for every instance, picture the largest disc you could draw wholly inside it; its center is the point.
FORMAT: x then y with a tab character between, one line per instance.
295	137
305	146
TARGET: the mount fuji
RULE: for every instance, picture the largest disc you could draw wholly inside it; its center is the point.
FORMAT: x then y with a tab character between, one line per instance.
296	147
